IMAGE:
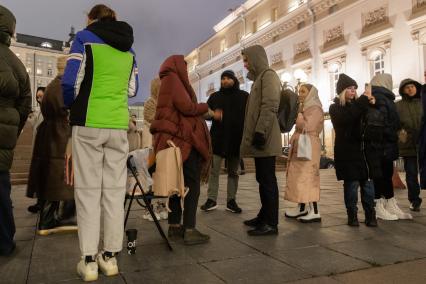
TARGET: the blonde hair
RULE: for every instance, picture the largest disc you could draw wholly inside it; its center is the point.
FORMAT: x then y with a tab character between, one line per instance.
61	62
342	97
155	87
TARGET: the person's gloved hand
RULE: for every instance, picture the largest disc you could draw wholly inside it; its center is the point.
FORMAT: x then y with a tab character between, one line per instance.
259	141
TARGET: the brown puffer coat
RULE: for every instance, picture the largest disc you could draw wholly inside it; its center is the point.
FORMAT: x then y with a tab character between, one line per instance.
179	117
46	180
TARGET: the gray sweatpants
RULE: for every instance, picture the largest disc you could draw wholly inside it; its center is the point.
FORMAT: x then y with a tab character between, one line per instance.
232	186
99	160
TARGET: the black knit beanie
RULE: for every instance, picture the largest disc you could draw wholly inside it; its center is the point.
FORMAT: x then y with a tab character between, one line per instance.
345	82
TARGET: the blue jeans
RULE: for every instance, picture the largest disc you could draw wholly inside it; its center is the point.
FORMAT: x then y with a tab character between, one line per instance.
412	177
7	224
351	194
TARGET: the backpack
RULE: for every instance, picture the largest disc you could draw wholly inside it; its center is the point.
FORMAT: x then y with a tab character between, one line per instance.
374	123
288	108
287	112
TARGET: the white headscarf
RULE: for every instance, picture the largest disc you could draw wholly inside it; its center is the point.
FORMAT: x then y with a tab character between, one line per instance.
312	99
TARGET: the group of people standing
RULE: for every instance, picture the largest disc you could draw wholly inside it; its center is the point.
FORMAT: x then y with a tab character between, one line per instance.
98	76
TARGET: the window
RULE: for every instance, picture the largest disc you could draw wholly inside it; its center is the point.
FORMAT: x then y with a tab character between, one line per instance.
223	45
254	27
274	15
49	72
379	64
46	44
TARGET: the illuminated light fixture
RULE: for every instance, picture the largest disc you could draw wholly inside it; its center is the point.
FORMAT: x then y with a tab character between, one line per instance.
286	77
17	54
300	75
46	44
334	67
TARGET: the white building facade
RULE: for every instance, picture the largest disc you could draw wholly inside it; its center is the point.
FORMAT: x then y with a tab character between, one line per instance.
314	41
39	55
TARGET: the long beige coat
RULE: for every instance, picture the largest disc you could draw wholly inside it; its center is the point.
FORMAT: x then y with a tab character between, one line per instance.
262	107
303	178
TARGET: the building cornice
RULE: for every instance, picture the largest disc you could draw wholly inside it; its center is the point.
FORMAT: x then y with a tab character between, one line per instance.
281	26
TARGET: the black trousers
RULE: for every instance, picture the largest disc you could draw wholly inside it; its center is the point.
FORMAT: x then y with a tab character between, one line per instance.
7	224
191	174
268	190
383	186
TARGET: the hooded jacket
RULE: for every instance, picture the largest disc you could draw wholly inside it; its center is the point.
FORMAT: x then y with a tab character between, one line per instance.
15	92
422	142
227	134
100	75
382	91
410	114
179	116
352	156
262	106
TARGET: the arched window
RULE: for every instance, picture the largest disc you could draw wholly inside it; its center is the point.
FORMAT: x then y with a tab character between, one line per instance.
377	61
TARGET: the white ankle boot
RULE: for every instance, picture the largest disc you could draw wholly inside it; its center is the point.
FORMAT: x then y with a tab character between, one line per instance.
392	207
313	214
300	210
382	213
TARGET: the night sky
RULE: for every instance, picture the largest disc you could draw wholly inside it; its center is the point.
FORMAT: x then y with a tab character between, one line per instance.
161	27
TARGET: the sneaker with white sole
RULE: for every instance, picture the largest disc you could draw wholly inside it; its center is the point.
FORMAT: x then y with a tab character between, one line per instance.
382	213
313	215
107	263
148	216
162	211
87	269
393	208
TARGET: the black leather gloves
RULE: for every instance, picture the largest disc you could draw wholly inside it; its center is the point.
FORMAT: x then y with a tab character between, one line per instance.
259	141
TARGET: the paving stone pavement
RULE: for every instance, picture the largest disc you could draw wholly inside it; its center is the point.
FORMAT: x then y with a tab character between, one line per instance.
329	252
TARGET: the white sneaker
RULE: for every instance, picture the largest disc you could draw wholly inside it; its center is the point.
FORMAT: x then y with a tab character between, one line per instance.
299	211
162	211
393	208
147	216
312	216
87	271
108	265
382	213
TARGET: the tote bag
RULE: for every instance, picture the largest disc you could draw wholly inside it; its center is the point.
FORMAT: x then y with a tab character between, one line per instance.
168	176
304	147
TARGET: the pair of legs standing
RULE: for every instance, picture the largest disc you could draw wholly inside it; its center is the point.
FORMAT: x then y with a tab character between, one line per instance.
232	186
185	227
412	177
266	221
7	223
386	205
367	200
99	161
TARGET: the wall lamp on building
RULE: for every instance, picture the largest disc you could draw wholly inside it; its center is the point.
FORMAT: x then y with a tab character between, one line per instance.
300	76
285	79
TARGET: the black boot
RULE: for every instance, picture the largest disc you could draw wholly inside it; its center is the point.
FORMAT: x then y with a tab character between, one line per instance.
353	218
66	213
48	218
370	218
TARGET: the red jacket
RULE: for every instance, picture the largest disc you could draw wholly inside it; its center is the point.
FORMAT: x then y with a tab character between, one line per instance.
178	116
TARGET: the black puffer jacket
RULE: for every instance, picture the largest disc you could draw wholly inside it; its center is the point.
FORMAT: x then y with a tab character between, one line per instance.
385	104
15	92
227	134
353	157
